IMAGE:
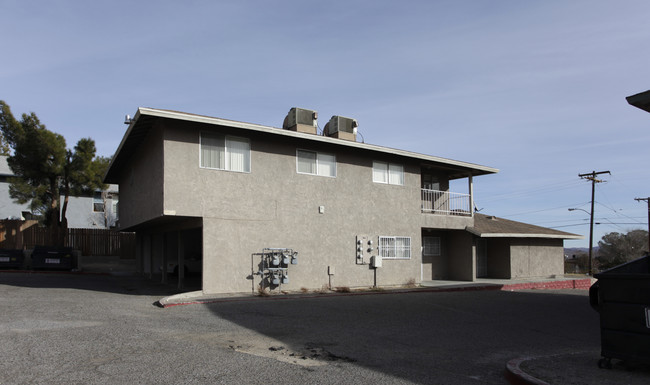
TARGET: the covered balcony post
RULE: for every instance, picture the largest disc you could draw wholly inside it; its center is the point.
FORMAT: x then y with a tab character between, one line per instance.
471	194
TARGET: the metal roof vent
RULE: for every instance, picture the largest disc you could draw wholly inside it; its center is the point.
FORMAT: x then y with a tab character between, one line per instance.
301	120
342	128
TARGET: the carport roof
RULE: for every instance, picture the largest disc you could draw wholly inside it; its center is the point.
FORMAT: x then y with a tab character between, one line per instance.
486	226
145	118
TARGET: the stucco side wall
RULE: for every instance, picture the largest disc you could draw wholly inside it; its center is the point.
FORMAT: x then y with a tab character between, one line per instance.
141	183
434	221
462	253
436	267
274	206
536	257
498	256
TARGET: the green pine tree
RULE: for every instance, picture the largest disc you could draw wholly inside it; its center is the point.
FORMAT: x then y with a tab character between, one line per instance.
45	169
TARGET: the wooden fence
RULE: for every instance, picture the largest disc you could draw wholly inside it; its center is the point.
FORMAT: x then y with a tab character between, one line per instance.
91	242
102	242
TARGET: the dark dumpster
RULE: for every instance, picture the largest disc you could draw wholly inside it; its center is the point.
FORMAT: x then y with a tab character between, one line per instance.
11	259
56	258
622	297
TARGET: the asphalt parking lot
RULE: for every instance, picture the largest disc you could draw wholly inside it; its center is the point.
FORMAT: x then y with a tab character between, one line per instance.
73	329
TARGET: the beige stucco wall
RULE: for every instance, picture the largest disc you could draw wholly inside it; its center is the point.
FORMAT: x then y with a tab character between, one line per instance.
274	206
498	256
462	256
536	257
436	266
141	183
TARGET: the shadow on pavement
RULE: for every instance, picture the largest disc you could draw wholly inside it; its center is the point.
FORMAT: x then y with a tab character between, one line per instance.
121	284
455	337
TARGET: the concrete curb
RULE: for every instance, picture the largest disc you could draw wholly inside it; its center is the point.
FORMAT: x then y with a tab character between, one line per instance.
197	297
185	299
516	376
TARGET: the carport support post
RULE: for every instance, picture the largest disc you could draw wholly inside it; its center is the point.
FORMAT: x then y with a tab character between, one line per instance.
150	256
164	258
139	253
181	262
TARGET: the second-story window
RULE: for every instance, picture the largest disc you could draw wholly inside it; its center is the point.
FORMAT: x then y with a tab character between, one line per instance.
389	173
223	152
315	163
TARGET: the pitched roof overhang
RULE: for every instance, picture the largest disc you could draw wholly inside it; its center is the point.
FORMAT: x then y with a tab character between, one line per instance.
640	100
144	119
493	227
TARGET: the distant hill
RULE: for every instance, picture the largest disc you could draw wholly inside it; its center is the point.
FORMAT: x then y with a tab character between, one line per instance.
575	250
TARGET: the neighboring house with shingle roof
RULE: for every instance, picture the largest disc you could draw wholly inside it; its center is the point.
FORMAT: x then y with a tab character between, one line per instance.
509	249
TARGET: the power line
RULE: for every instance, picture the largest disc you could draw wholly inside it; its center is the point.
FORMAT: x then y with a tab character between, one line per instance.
598	223
538	211
535	190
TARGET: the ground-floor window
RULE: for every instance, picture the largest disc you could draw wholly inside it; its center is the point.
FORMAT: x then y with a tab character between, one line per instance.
431	246
395	247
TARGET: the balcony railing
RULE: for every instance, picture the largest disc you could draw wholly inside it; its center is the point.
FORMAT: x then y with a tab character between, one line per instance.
446	203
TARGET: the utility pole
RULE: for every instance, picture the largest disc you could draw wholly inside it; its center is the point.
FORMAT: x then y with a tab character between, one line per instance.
592	177
648	201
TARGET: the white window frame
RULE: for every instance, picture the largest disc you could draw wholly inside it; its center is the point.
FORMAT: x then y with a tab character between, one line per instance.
98	199
388	173
394	247
228	144
320	159
431	246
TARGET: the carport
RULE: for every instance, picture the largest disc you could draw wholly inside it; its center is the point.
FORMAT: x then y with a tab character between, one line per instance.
447	255
166	245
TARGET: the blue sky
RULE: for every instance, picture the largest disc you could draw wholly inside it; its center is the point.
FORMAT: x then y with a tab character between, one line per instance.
534	88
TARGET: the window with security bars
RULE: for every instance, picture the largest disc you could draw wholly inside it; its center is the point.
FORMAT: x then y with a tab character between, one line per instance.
431	246
395	247
222	152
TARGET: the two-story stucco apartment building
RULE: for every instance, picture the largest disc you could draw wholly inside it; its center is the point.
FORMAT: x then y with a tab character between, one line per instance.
347	213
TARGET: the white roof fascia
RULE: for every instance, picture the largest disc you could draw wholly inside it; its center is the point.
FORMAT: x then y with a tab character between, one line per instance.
295	134
520	235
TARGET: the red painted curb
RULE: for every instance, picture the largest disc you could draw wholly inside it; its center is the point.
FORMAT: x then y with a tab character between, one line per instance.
582	284
516	376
